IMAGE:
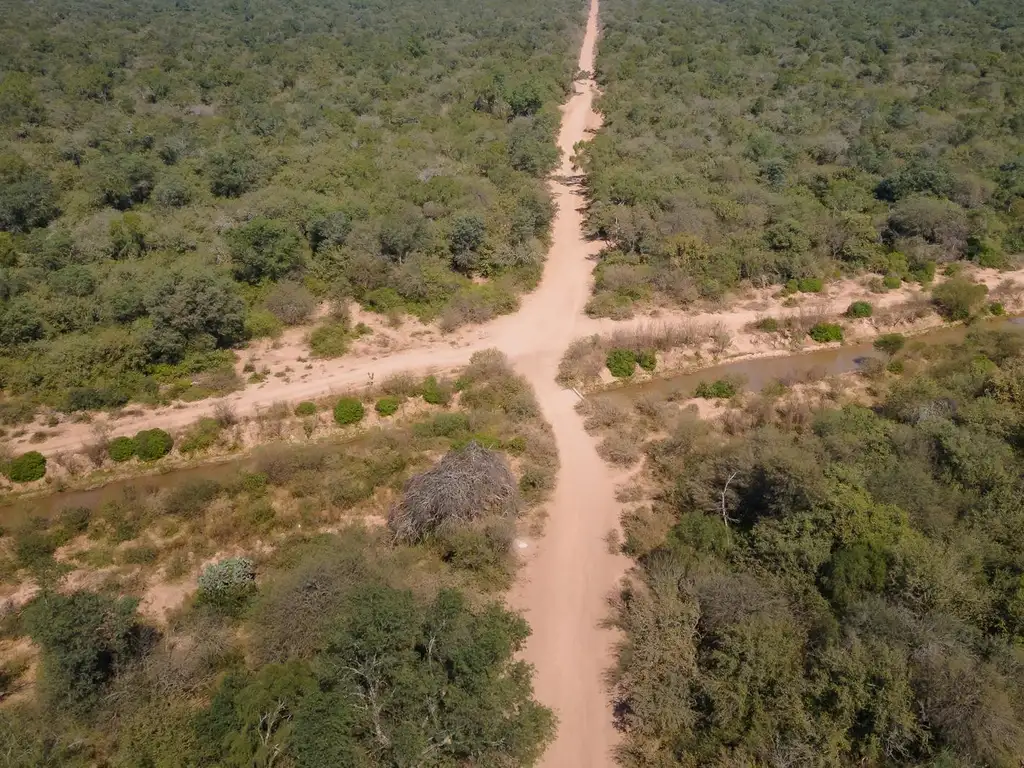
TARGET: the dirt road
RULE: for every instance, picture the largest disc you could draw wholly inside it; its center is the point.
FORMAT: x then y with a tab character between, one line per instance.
564	582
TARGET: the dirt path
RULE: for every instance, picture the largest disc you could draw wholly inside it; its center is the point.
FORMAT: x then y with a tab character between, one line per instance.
564	583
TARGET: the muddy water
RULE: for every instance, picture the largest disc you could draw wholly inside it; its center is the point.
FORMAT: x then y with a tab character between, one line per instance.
13	512
757	372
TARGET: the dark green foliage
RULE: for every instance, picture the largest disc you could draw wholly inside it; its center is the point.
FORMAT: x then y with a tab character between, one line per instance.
442	677
996	308
85	639
147	141
26	467
621	363
890	343
348	410
28	198
305	408
765	196
864	588
768	324
853	573
720	388
647	359
152	444
388	406
121	449
859	309
329	339
264	249
958	298
891	282
826	332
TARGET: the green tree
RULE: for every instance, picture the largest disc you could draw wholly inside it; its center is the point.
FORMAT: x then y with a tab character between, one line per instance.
85	640
264	249
28	198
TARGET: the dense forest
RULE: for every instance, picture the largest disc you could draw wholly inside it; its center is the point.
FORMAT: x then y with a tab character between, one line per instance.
777	140
298	627
177	178
835	587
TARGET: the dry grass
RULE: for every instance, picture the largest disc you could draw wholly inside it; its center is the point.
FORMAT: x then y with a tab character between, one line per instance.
585	358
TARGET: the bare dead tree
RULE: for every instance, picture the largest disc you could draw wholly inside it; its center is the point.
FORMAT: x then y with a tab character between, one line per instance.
724	508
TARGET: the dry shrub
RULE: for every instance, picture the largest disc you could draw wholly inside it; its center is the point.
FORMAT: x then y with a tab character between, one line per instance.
400	385
224	414
908	311
465	485
599	414
663	336
620	448
582	361
1008	292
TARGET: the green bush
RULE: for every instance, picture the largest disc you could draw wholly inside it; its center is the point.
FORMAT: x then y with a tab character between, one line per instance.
891	282
996	308
228	585
388	406
767	324
26	468
859	309
436	392
826	332
200	436
895	366
349	410
153	444
305	408
121	449
329	340
647	359
810	285
890	343
720	388
443	425
958	298
621	362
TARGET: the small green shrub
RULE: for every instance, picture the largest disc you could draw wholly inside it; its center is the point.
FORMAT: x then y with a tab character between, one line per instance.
442	425
153	444
720	388
958	298
305	408
436	392
621	362
329	340
228	585
996	308
388	406
647	359
826	332
895	366
121	449
34	550
201	436
859	309
767	324
890	343
349	411
791	287
891	282
810	285
26	468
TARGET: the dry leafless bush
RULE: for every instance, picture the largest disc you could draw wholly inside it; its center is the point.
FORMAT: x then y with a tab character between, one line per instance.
620	448
463	486
400	385
224	414
582	361
599	413
1008	292
907	311
663	336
